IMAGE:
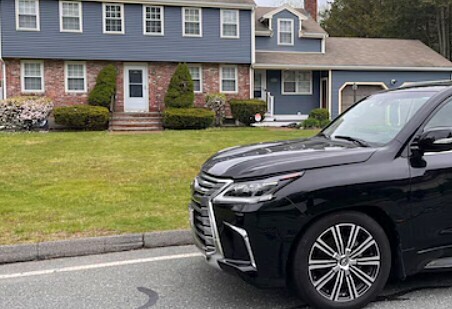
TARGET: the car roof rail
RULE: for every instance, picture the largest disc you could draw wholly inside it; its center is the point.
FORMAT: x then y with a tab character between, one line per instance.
439	83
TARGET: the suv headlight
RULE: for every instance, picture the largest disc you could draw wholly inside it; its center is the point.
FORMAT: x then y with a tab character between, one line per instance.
252	192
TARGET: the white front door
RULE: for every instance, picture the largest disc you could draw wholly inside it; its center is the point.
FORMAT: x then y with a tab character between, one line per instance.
136	95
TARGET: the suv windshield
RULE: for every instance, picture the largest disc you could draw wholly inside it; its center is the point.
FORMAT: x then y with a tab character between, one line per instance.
379	118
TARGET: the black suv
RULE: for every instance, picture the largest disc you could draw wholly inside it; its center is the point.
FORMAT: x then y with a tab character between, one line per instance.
334	215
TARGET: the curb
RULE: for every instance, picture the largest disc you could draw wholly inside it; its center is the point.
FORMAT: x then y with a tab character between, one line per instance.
92	246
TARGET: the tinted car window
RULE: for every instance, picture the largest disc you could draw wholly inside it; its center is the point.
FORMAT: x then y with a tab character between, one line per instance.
379	118
443	118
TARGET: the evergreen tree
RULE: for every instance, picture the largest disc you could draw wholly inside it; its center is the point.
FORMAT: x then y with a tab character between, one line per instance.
105	88
180	92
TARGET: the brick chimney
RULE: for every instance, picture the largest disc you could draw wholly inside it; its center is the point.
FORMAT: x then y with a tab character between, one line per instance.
312	7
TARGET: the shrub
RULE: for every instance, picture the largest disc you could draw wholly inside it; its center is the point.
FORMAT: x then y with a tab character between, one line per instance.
82	117
246	110
311	123
188	118
217	103
318	118
180	92
105	88
24	113
320	114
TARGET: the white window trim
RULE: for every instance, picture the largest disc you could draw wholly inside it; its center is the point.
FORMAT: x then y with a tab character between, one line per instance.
236	79
66	84
104	18
201	76
162	14
38	19
296	93
22	76
280	20
200	23
80	9
237	12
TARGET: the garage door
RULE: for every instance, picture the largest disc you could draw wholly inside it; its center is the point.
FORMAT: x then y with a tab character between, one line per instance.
349	97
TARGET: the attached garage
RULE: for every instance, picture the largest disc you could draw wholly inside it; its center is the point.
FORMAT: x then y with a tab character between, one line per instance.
351	93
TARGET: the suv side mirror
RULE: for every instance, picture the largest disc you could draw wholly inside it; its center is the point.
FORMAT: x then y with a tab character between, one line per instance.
436	140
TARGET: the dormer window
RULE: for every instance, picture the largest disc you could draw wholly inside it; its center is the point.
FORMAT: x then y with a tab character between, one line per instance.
285	32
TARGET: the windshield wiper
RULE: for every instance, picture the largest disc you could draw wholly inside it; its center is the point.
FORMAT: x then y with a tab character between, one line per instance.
358	141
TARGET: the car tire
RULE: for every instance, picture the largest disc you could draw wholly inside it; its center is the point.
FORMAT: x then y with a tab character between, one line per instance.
342	261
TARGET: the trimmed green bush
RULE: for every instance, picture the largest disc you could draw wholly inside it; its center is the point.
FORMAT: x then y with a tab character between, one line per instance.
82	117
311	123
105	88
188	118
180	92
245	110
320	114
318	118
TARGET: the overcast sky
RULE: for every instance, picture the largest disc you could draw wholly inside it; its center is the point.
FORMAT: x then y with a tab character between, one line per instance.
273	2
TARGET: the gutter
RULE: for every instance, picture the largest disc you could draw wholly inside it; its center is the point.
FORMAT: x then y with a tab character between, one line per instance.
349	68
183	3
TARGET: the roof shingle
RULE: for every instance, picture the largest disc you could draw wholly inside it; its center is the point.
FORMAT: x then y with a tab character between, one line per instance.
360	52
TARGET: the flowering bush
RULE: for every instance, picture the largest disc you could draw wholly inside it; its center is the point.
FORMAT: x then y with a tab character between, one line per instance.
24	113
217	103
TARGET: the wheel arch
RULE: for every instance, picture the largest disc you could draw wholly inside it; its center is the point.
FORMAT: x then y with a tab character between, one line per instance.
376	213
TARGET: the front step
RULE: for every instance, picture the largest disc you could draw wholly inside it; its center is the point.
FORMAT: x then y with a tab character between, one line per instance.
137	115
135	129
136	122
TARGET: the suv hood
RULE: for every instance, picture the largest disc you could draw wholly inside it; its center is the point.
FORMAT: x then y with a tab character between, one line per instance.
286	156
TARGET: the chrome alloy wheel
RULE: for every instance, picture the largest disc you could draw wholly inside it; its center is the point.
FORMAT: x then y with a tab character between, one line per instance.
344	262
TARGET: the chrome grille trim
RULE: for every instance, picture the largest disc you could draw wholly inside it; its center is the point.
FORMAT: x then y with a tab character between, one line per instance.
204	226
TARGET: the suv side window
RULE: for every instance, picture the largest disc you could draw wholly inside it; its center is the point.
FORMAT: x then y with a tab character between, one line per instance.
442	118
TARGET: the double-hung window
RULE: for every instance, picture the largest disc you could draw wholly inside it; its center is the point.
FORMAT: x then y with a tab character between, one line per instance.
154	20
113	18
297	82
75	76
192	22
27	15
230	25
285	31
196	76
229	79
71	16
32	76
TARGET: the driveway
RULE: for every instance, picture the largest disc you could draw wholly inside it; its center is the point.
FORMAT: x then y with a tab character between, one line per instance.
174	277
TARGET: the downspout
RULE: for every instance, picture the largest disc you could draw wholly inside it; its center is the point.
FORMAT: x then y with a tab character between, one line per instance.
3	82
253	51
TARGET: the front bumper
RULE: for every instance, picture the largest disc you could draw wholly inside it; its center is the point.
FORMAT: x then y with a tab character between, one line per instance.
250	242
221	241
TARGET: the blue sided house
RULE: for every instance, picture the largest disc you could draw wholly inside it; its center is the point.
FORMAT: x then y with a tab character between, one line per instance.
281	54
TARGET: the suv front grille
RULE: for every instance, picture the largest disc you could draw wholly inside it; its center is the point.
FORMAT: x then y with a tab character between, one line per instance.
203	220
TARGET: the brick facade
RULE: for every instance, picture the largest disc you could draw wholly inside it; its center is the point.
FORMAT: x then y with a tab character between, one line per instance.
54	82
159	77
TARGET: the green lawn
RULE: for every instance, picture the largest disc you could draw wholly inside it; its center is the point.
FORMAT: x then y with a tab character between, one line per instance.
61	185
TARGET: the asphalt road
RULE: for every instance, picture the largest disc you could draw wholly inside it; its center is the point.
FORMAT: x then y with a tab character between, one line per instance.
173	278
